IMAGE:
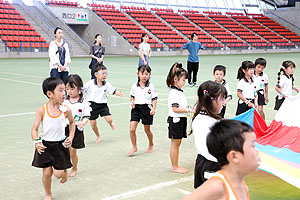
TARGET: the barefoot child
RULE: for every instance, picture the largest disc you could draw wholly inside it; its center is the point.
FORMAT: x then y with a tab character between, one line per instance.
207	113
81	113
178	107
97	90
233	144
51	147
219	74
143	103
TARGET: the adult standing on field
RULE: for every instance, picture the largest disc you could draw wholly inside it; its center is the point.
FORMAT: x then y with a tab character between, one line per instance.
59	55
192	48
144	51
96	53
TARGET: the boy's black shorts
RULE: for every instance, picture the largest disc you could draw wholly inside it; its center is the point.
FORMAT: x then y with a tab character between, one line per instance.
142	112
55	155
99	109
177	127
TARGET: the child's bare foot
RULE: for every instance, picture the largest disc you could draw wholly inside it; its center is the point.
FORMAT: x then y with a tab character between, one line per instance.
132	151
180	170
98	140
150	149
113	127
48	197
64	178
72	173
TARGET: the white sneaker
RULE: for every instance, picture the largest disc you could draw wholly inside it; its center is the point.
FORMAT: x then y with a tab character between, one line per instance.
191	84
195	85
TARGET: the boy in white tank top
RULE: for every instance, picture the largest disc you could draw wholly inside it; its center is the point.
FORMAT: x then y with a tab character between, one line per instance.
51	146
232	143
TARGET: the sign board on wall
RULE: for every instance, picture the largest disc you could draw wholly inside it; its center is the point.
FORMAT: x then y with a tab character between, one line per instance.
71	15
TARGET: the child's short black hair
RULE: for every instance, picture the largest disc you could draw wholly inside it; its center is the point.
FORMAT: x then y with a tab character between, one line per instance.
220	68
261	61
99	67
225	136
143	68
49	84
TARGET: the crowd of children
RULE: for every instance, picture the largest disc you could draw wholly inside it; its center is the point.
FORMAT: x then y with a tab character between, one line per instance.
221	161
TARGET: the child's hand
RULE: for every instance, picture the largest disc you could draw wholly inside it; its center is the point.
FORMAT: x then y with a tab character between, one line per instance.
267	99
251	105
68	142
119	93
152	112
132	104
80	125
40	147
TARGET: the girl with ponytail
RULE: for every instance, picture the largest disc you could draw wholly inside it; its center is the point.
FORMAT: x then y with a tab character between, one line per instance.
178	109
285	83
211	96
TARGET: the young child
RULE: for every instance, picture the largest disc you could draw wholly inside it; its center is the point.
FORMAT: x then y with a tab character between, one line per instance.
261	81
219	74
246	89
143	103
81	113
209	105
97	90
51	146
233	144
285	83
178	108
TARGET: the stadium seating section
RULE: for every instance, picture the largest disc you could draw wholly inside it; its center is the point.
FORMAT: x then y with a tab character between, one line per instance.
15	31
165	27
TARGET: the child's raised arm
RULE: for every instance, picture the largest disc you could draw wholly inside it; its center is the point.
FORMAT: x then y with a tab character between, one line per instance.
212	189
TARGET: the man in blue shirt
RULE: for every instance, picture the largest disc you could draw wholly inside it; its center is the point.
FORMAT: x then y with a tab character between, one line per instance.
192	48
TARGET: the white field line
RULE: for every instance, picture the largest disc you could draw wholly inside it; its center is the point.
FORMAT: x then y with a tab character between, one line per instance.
133	193
17	74
183	191
27	82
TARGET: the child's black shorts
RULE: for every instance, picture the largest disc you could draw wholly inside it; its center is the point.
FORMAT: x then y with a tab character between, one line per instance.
99	109
78	140
55	155
177	127
278	103
142	112
261	99
243	107
203	166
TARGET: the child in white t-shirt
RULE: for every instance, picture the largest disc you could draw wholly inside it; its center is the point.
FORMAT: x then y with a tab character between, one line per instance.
143	104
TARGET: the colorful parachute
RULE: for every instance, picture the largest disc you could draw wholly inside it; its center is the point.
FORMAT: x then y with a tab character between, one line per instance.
279	143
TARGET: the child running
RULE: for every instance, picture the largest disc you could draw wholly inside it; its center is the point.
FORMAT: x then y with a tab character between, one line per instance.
51	147
219	74
209	105
233	144
246	89
81	113
143	103
261	81
97	90
178	108
285	83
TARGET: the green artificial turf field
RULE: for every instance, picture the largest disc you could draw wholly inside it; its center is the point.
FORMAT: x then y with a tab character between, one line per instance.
105	170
